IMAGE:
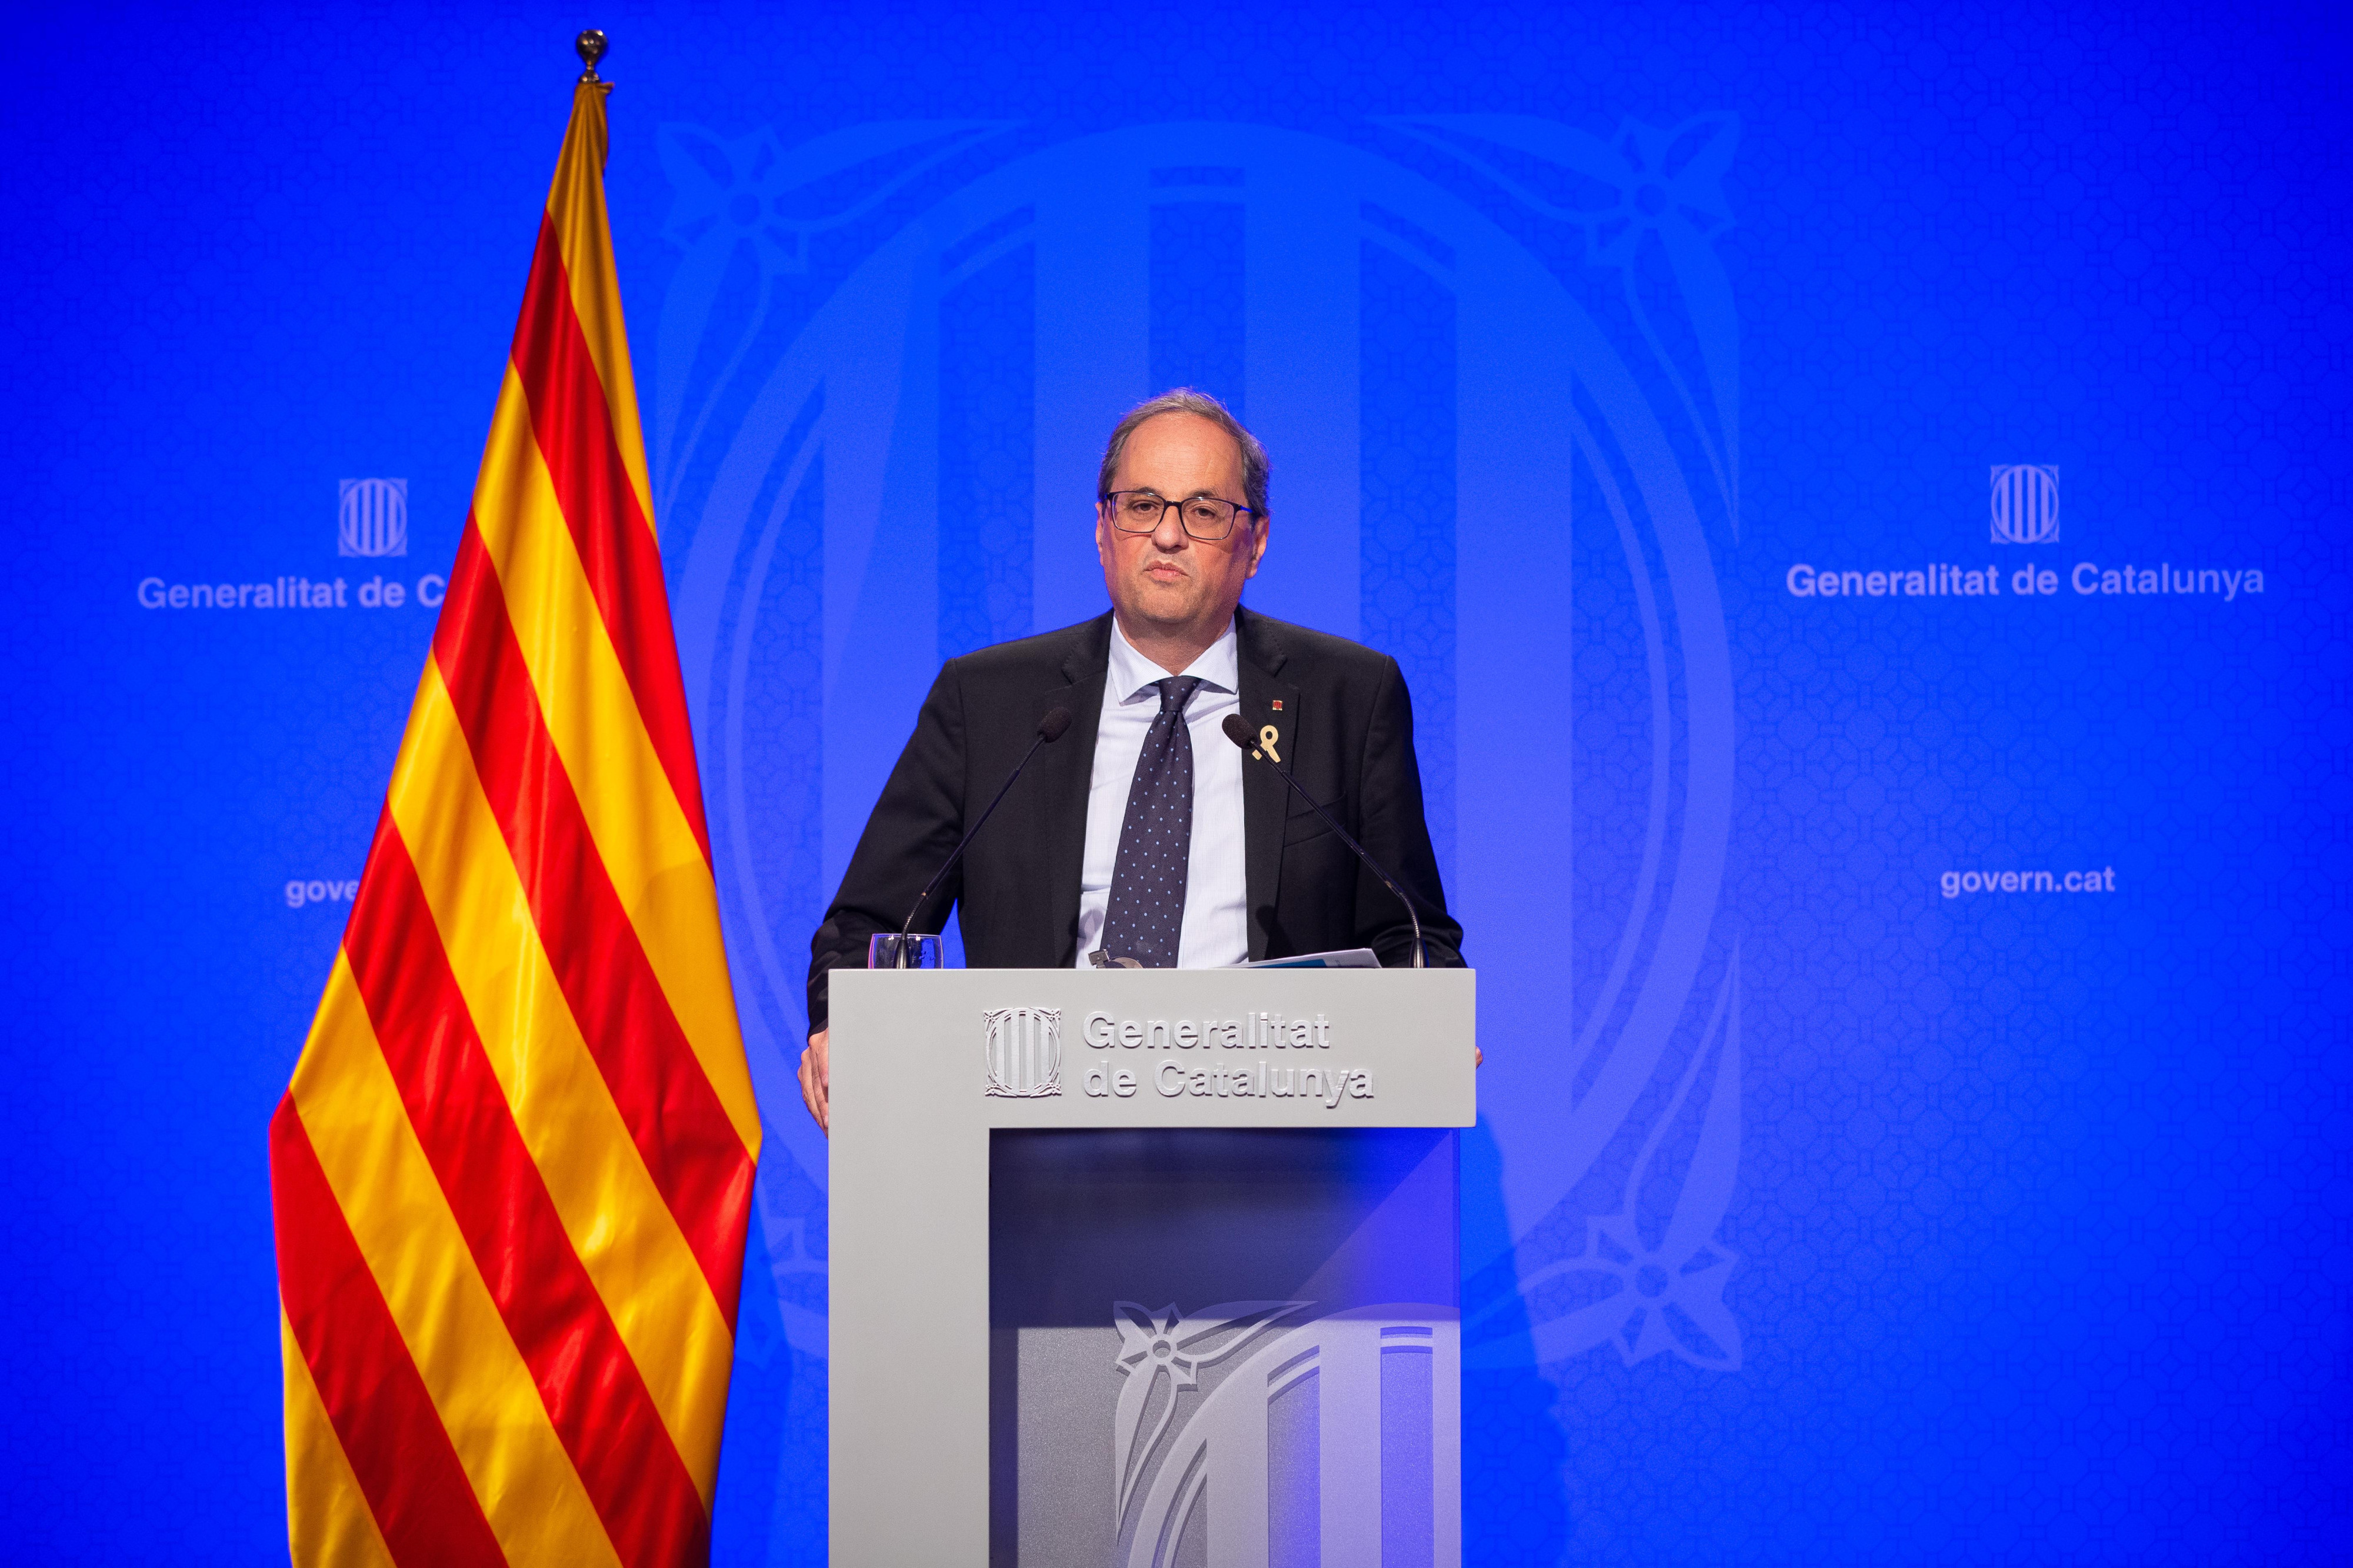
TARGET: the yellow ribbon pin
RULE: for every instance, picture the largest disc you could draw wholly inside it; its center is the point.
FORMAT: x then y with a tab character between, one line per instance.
1267	737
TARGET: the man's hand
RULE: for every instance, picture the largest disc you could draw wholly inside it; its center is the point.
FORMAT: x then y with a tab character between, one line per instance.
816	1081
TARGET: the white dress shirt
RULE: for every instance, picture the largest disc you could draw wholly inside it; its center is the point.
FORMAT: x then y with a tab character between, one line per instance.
1216	931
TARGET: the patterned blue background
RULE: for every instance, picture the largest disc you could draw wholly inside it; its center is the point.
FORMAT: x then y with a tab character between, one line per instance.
1814	1215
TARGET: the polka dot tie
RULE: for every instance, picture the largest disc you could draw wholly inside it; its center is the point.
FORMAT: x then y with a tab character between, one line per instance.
1156	838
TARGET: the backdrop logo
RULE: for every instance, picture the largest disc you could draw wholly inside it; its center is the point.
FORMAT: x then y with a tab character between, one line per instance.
2025	503
374	518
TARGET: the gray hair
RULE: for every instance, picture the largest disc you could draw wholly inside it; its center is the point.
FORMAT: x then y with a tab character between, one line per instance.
1186	400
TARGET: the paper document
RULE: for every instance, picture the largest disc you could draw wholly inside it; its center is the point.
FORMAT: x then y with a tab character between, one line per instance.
1347	958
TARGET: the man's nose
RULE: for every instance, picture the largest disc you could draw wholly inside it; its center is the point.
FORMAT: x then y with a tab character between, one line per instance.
1170	534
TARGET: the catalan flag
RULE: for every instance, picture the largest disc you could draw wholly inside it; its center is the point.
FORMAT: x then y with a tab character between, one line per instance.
511	1172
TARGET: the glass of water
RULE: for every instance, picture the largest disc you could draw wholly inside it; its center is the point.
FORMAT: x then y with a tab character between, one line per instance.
890	950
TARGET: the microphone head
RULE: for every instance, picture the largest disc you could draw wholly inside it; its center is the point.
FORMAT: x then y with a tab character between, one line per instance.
1238	730
1051	726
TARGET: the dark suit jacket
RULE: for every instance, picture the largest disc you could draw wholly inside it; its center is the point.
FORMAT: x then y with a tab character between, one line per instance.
1346	731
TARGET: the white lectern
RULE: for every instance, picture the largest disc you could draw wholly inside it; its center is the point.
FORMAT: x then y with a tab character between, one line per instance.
1222	1324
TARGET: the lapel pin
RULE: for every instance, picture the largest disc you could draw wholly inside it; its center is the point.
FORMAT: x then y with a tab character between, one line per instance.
1278	704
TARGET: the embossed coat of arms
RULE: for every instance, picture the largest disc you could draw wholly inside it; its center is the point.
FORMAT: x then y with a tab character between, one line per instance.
1025	1052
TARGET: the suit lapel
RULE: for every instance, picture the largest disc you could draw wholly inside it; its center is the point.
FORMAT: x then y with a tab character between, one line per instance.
1066	777
1266	700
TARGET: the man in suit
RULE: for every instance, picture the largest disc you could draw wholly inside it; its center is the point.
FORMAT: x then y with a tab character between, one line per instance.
1144	837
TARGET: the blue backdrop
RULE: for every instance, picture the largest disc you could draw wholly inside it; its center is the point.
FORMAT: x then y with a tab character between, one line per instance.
1821	468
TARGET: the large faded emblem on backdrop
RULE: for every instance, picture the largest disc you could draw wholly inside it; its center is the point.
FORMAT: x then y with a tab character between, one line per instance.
882	372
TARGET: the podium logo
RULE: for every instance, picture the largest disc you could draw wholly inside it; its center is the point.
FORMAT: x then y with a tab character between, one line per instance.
2025	503
1240	1401
374	518
1025	1052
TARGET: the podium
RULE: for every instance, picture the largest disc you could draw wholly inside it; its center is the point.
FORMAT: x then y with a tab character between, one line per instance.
1147	1266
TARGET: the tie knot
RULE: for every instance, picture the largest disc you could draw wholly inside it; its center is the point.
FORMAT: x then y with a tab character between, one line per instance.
1176	690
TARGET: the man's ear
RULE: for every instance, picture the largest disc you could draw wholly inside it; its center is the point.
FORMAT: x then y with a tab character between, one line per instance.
1258	551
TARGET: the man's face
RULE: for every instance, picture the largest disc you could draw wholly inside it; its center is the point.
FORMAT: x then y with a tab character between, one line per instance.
1167	580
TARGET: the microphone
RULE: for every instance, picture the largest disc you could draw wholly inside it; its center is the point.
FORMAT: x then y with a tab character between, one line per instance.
1238	730
1049	730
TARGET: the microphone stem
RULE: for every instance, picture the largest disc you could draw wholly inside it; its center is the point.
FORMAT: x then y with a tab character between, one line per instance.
1301	790
941	875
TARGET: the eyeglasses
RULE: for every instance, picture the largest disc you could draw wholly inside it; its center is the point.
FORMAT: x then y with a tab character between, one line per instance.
1205	518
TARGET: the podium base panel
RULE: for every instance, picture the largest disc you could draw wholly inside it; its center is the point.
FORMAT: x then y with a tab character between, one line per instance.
1227	1348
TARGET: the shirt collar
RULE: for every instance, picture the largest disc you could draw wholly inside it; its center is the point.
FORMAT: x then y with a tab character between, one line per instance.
1132	675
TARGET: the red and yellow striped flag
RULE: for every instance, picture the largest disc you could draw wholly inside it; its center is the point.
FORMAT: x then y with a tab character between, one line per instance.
513	1170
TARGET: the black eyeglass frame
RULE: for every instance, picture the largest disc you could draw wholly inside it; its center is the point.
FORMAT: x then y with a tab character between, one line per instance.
1111	499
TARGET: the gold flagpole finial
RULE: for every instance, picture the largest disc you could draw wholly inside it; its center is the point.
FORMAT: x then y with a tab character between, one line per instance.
590	45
